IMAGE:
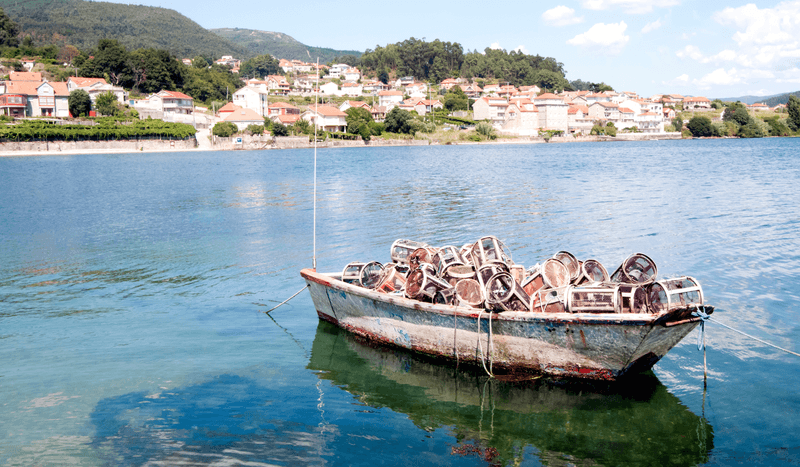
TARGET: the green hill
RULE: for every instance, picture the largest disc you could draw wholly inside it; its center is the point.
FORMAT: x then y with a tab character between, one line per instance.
279	45
83	23
770	101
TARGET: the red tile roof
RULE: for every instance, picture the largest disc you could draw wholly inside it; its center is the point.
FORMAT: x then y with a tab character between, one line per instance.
84	82
229	107
25	76
243	115
174	94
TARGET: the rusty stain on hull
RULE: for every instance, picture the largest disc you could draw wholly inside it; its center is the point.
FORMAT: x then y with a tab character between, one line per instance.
610	345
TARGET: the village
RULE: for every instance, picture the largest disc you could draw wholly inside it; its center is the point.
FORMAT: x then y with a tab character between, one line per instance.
290	97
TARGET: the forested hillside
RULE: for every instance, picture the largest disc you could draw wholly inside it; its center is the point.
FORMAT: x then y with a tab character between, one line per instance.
438	60
82	24
782	99
279	45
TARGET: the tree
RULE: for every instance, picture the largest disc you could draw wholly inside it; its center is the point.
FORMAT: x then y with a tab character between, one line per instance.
154	70
677	122
455	99
398	121
224	129
550	80
485	129
111	60
776	126
736	112
358	122
259	67
79	103
68	53
302	126
8	31
199	62
279	129
793	109
106	103
700	126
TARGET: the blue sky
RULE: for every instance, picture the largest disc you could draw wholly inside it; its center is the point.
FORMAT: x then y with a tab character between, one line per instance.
700	48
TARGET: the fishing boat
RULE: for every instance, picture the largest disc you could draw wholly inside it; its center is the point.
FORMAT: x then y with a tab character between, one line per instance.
568	325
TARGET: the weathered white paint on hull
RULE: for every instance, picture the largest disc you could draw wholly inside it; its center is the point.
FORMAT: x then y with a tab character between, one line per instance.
598	346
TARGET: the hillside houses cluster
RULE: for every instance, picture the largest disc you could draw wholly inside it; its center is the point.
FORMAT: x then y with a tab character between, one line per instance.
524	110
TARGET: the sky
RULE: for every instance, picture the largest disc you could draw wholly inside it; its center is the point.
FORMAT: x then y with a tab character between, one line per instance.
711	48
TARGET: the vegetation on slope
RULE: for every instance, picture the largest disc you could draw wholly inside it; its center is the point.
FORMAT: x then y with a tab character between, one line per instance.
82	23
279	45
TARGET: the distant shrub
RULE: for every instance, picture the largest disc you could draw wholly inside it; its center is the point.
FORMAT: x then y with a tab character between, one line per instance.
224	129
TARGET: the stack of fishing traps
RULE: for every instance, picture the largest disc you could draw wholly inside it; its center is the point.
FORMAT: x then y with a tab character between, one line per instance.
482	275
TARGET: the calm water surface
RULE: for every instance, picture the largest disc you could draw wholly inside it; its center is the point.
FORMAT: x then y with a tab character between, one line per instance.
133	290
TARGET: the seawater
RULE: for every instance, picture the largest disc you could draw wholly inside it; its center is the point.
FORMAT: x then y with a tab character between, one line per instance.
133	289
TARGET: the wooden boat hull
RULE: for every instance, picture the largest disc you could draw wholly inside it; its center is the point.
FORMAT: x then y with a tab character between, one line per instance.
583	345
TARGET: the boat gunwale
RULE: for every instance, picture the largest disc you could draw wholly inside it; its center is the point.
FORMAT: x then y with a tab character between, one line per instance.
628	319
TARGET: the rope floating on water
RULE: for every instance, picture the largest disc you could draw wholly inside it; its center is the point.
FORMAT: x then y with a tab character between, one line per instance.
287	300
704	317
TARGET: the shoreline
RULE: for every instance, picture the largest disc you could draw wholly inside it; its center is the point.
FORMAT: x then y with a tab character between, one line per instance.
169	146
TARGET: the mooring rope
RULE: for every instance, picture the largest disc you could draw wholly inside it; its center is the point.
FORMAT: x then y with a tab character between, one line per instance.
490	343
455	330
287	300
705	317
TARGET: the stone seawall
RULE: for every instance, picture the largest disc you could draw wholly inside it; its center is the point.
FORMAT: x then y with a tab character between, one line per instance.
55	147
255	142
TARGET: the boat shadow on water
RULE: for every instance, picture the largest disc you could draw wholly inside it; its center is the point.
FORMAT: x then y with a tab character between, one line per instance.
503	420
266	418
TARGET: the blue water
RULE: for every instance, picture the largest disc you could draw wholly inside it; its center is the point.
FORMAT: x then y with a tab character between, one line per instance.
133	289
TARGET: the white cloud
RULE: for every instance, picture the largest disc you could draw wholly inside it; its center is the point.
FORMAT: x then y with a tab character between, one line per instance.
690	51
521	48
681	80
779	25
727	55
629	6
719	77
609	38
561	16
495	46
651	26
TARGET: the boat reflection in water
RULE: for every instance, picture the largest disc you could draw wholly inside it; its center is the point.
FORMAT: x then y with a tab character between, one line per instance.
504	422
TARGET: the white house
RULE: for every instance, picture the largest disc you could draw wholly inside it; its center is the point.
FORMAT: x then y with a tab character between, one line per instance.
95	87
170	103
390	99
425	106
326	118
336	70
254	98
244	117
604	111
330	88
649	122
698	102
490	108
522	117
34	99
552	112
351	74
352	89
348	104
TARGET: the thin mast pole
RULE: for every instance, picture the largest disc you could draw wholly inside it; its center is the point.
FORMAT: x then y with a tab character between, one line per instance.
316	110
